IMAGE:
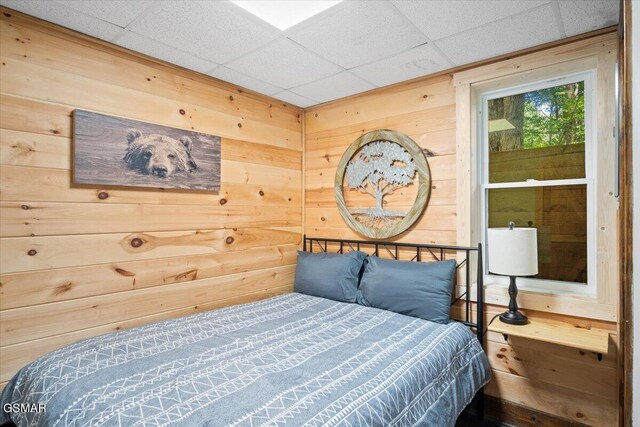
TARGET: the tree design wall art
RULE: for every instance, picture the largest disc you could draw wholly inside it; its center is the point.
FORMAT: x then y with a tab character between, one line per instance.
378	164
378	169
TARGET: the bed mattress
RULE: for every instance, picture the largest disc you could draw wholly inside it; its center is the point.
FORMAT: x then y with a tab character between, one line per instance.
289	360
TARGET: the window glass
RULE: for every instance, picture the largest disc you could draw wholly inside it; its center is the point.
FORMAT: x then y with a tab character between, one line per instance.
537	135
560	215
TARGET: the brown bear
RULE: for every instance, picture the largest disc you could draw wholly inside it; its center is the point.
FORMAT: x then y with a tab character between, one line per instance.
159	155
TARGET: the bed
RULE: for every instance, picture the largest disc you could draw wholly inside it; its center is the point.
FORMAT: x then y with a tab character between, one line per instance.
293	360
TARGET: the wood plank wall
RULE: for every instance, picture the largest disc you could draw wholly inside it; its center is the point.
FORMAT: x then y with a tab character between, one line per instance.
566	383
425	111
68	269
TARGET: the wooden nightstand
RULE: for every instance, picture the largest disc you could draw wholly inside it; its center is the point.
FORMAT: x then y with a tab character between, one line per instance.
556	332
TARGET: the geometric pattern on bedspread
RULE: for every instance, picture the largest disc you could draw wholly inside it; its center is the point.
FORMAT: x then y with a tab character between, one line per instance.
288	360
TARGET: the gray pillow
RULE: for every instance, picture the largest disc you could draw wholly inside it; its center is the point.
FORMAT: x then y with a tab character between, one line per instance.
418	289
329	275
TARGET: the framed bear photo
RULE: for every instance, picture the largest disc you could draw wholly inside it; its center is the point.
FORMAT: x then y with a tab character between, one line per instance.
113	151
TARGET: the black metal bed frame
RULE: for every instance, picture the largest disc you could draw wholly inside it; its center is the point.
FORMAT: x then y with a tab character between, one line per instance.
434	253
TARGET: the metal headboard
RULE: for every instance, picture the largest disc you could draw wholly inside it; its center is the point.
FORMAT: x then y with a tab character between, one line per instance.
432	253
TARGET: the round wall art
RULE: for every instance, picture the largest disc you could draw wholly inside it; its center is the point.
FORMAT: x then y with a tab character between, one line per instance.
379	176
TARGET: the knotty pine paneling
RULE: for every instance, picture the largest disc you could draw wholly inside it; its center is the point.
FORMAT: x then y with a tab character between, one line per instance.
566	383
90	249
68	268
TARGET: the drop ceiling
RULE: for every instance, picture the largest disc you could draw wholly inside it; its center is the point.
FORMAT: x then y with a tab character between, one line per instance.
352	47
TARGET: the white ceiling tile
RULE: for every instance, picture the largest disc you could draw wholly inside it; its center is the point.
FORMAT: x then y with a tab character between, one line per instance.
507	35
237	78
62	15
588	15
354	33
442	18
284	64
416	62
158	50
218	31
118	12
336	86
295	99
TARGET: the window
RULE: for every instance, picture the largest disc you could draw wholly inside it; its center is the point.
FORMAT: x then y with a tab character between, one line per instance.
536	170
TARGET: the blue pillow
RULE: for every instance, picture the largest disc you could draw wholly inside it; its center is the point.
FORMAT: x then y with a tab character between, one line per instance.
329	275
418	289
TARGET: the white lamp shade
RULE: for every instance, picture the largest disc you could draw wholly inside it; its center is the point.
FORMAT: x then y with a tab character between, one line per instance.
513	252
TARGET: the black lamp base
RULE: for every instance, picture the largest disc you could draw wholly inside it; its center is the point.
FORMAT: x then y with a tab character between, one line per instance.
514	318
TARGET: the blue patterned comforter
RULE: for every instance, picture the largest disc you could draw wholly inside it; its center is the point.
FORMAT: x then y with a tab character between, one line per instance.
290	360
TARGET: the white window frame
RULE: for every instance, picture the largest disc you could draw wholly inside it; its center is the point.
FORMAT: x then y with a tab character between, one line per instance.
532	284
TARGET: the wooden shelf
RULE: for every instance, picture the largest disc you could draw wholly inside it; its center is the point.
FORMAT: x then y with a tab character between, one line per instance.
556	332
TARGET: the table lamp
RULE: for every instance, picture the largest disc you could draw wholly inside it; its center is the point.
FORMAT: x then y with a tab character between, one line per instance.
513	252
